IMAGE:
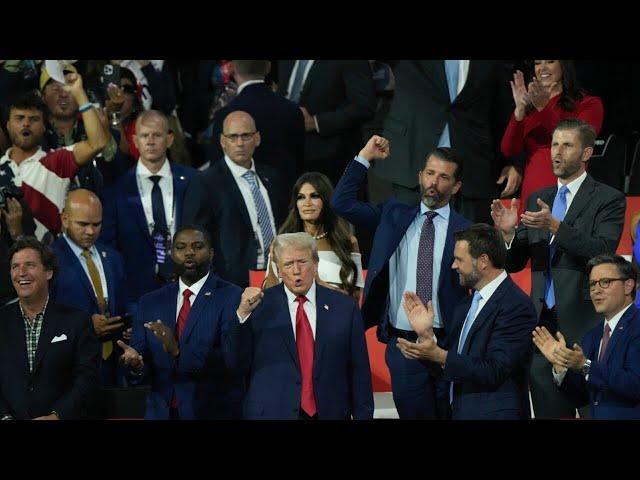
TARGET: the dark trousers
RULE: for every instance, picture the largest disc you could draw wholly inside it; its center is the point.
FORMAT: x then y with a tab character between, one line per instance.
416	394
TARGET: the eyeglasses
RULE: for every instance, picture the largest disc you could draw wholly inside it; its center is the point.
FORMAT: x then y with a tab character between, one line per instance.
604	282
235	136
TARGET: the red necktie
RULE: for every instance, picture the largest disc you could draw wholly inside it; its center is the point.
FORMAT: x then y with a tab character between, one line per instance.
182	321
305	345
605	341
184	313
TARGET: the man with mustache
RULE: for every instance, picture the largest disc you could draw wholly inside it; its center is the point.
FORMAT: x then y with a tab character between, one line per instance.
180	338
412	251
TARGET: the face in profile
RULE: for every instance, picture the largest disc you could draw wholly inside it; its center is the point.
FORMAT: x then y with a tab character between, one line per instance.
297	268
465	265
438	182
309	203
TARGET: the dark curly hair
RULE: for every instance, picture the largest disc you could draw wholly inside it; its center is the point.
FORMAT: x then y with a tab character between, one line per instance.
47	257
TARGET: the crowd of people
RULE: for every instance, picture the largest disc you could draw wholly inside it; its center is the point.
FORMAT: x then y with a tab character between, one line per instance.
137	196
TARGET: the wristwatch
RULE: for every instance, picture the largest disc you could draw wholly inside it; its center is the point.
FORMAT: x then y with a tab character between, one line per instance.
586	368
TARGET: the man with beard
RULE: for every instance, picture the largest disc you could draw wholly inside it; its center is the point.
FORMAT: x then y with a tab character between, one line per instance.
562	228
412	251
180	338
45	176
487	353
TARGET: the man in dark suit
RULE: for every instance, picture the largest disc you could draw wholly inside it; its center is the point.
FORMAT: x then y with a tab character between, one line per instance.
462	104
279	121
90	276
562	228
238	201
49	359
487	355
180	338
302	344
604	370
336	98
144	208
412	249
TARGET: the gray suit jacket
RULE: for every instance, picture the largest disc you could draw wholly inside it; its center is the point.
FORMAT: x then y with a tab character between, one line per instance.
592	226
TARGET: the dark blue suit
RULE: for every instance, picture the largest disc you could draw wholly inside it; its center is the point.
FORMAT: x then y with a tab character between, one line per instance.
412	388
73	287
265	347
205	386
613	388
491	373
281	126
125	228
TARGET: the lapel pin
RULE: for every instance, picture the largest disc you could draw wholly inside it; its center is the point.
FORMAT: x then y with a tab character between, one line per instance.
181	177
207	294
326	307
104	254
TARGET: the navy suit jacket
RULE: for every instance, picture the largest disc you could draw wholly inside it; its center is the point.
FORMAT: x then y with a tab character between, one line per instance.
204	385
613	388
65	372
125	228
490	375
390	221
265	347
281	126
214	201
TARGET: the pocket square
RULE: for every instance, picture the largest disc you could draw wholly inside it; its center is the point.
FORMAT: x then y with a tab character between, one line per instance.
59	338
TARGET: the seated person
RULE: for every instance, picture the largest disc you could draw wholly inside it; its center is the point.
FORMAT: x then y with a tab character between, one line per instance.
340	264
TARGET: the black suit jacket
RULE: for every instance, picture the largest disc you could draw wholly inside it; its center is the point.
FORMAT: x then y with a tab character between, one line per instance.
213	201
341	94
592	226
65	373
422	107
281	126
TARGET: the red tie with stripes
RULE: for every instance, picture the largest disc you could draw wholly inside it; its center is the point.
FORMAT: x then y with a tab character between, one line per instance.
305	346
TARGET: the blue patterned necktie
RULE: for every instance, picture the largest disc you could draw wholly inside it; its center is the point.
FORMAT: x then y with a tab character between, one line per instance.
296	87
261	209
466	326
559	210
424	270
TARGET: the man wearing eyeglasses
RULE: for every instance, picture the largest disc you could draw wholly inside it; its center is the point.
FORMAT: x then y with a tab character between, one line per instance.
239	202
562	228
604	370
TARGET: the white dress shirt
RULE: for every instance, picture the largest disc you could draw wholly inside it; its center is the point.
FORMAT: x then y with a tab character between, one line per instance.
145	186
309	308
195	289
237	171
95	256
558	378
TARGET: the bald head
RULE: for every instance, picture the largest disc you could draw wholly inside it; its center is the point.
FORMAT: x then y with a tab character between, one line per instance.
82	217
239	138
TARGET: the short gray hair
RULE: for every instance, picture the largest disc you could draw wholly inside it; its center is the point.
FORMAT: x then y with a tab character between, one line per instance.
296	241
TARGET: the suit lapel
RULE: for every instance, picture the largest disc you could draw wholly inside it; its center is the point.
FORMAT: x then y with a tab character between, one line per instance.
109	275
312	76
581	200
447	253
71	259
323	310
619	332
487	311
179	186
284	325
266	181
18	345
404	221
47	332
134	202
234	190
199	307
